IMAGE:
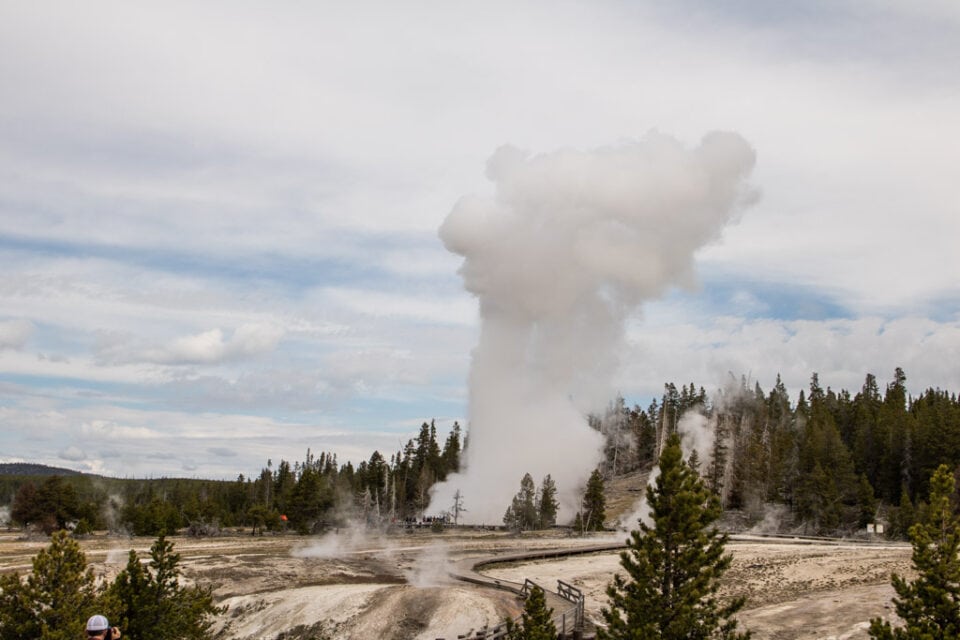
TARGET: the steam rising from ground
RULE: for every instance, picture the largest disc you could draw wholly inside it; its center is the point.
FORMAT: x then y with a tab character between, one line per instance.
572	242
697	433
698	430
344	542
430	567
117	556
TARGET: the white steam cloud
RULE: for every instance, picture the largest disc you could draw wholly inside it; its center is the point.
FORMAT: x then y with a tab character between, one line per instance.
570	245
431	568
337	544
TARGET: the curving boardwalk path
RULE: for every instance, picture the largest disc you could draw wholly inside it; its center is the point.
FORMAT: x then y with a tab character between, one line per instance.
470	570
564	611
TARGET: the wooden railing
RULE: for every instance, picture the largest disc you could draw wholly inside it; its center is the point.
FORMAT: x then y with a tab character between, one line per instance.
568	622
571	594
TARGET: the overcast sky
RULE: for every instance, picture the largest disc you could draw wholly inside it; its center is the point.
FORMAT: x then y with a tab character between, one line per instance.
218	220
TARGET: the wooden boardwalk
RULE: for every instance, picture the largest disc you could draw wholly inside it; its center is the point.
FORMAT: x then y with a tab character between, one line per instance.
566	602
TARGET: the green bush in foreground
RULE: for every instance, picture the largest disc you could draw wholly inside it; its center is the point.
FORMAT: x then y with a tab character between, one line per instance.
147	601
153	605
930	605
56	598
536	622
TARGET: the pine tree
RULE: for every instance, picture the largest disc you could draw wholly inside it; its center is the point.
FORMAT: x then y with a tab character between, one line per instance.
578	525
56	598
904	517
50	506
867	501
645	432
525	503
536	621
930	605
523	514
450	456
673	567
511	520
694	461
548	503
594	510
154	606
827	489
25	509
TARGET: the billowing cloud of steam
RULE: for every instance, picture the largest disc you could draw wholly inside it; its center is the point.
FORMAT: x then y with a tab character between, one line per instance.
570	245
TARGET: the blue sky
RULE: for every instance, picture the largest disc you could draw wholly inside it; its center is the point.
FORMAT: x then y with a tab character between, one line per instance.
218	222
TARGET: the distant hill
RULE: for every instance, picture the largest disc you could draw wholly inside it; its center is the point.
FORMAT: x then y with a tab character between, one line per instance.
31	469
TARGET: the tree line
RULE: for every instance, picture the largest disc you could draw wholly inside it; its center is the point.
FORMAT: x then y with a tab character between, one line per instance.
834	458
304	496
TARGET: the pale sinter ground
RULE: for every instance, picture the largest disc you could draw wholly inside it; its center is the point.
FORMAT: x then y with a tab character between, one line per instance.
395	587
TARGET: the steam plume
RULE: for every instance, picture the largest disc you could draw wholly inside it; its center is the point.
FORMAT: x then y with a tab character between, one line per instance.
572	242
697	433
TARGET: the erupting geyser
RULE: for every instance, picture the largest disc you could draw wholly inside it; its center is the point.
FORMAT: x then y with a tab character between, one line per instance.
572	242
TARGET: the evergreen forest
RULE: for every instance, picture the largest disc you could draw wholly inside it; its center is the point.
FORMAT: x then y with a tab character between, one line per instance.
835	461
832	461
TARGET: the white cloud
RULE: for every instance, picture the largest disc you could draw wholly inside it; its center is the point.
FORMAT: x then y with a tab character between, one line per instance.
110	430
841	351
209	347
423	307
205	347
199	153
139	443
15	333
73	454
193	224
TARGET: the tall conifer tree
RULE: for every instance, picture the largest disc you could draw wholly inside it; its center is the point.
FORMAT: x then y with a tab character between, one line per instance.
548	503
594	511
152	604
673	567
930	605
55	599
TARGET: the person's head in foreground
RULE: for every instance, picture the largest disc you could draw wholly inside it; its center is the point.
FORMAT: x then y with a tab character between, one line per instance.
98	628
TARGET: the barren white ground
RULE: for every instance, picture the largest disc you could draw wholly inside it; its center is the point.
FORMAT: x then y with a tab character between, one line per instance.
396	587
